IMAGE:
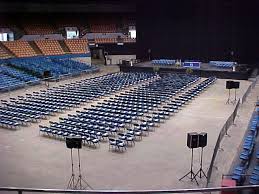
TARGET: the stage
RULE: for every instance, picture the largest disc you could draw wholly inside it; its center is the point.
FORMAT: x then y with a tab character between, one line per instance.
205	70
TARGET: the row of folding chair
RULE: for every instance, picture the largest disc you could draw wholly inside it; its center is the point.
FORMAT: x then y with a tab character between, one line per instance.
48	102
124	111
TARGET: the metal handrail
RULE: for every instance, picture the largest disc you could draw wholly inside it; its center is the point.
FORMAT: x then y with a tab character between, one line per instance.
213	189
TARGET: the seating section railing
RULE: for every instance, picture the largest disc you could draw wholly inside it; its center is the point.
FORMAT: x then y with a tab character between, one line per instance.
129	115
39	105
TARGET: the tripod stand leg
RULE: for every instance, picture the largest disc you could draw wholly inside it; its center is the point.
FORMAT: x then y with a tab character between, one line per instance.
228	100
71	182
80	179
200	171
190	172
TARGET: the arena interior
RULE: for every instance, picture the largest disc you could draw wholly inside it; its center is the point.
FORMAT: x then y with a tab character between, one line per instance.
129	96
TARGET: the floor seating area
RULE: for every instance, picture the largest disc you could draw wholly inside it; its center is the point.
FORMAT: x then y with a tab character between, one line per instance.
222	64
77	46
248	154
49	47
57	67
20	48
130	115
12	78
40	105
163	62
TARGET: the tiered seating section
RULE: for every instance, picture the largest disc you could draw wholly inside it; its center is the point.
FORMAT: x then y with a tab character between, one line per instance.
240	171
164	62
39	105
49	47
103	28
39	29
20	48
13	79
105	40
57	67
4	54
222	64
77	46
129	115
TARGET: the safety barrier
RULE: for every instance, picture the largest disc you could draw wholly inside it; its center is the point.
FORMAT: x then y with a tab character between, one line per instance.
222	133
199	190
249	89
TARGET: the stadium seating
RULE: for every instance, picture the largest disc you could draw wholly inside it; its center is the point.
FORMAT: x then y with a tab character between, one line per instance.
4	54
9	83
13	79
105	40
20	48
77	46
49	47
57	67
18	74
103	28
240	170
39	29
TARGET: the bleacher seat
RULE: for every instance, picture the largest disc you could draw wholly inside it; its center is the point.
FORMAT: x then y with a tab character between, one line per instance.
49	47
20	48
77	46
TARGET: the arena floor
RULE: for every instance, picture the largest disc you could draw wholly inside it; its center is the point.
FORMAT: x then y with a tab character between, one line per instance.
156	162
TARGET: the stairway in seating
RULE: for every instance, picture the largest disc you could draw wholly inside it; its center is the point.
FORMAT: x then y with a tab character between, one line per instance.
7	50
64	46
35	47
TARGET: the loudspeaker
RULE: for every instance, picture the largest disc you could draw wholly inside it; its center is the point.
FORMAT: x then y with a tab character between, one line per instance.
236	85
202	139
74	142
46	74
125	62
192	140
229	84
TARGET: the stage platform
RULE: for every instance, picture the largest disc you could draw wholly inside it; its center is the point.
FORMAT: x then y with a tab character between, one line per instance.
206	70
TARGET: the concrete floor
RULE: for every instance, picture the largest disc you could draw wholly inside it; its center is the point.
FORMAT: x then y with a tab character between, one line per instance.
156	162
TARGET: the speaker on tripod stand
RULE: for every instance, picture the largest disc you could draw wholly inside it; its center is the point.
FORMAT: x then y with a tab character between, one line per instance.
192	142
229	86
75	143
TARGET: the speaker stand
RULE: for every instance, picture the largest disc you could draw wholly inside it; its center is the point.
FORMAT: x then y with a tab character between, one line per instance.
228	100
235	100
80	181
190	172
71	182
200	171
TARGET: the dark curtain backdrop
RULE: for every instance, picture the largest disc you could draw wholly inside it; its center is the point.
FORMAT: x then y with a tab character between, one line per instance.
199	29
